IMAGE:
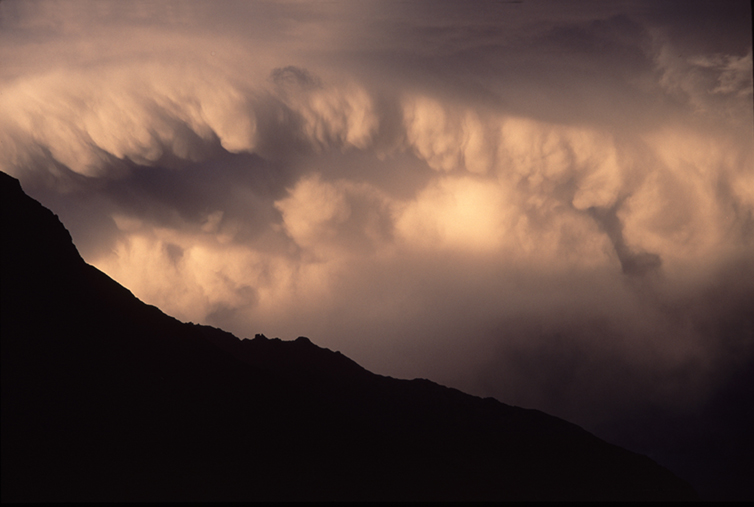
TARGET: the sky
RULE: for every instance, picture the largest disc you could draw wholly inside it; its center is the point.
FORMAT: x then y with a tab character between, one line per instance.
547	202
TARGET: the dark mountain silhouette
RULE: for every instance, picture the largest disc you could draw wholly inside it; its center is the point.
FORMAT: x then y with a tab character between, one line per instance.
107	398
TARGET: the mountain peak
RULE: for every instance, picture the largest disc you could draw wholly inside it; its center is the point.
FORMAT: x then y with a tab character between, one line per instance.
50	244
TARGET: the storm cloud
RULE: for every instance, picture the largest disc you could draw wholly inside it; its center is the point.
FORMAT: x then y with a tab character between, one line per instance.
550	203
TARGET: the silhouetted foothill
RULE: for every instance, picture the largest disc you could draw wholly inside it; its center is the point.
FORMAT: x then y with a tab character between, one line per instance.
107	398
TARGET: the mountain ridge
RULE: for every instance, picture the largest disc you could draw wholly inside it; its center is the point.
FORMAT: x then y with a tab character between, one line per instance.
107	398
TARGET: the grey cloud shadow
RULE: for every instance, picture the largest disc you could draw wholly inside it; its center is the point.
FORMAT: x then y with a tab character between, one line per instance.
241	185
296	77
632	263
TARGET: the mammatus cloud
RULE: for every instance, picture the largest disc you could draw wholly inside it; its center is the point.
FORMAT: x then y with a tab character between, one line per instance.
519	212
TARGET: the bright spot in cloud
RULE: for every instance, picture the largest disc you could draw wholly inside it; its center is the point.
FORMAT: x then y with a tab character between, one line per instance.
459	213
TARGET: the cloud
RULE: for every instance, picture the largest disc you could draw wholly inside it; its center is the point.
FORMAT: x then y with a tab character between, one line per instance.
549	205
457	213
716	84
